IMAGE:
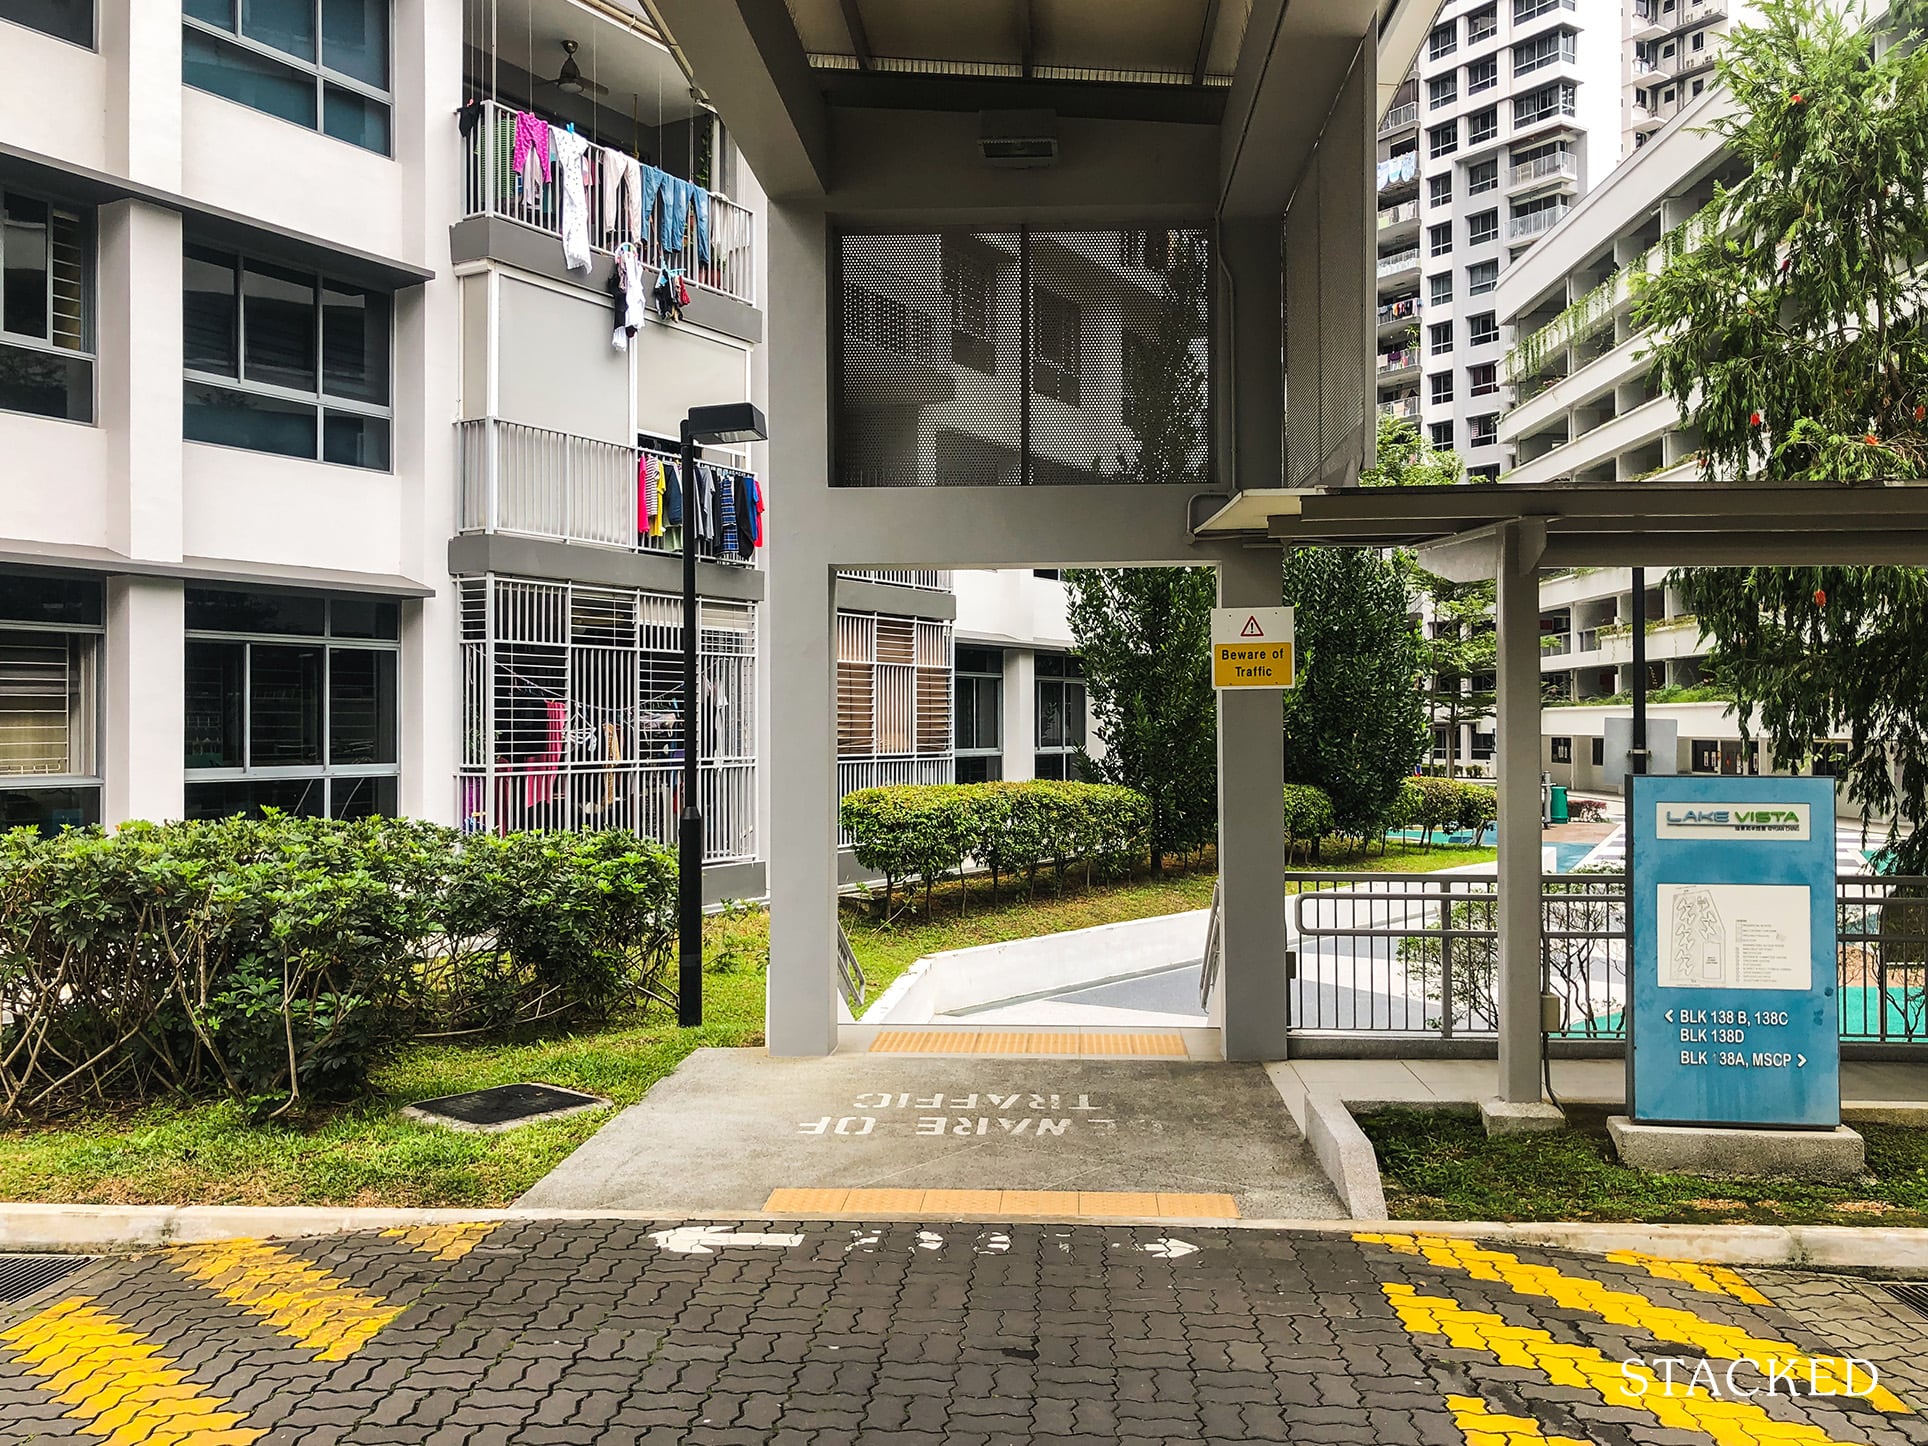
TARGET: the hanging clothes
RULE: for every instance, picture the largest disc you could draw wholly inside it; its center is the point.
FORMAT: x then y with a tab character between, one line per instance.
705	486
645	494
726	509
468	118
572	172
673	493
656	490
540	786
676	211
622	195
745	521
756	512
626	286
531	155
665	294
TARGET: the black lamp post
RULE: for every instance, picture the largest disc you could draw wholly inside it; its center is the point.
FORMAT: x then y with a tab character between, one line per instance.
705	427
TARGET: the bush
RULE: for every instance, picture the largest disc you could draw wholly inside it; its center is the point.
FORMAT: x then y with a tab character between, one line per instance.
1449	804
926	831
279	959
1308	818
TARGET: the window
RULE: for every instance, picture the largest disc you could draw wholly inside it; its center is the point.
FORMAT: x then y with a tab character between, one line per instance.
1481	227
1439	239
1439	337
1482	176
1482	277
1668	98
1482	75
51	634
1441	288
1547	101
1598	751
291	703
1442	90
46	309
1704	756
1667	51
1486	429
1541	51
1442	140
322	64
967	286
1061	715
1560	750
1483	327
1054	365
1524	10
1442	386
71	20
285	361
1439	189
1483	126
1441	434
1698	86
1488	473
1482	381
1443	41
1699	41
1482	24
978	707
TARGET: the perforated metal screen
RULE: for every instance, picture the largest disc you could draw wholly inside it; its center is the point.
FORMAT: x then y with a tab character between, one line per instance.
1042	358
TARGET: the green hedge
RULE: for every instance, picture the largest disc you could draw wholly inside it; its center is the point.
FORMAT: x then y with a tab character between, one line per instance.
925	832
1435	805
281	958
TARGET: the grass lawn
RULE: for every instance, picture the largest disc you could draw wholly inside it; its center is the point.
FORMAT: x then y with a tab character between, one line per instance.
366	1154
1439	1166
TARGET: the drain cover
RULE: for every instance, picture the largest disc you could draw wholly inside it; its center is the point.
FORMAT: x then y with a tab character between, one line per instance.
22	1275
503	1107
1911	1293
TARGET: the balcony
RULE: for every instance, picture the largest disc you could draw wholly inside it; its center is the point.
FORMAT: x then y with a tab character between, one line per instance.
1407	260
925	578
1404	360
1544	170
1394	312
1646	23
1403	409
491	187
1537	223
532	482
1406	213
1399	117
1400	170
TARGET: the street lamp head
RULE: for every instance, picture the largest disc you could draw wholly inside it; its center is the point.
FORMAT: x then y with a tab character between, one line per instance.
730	422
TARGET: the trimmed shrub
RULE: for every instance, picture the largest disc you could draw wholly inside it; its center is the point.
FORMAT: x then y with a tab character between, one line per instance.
1308	818
279	959
926	831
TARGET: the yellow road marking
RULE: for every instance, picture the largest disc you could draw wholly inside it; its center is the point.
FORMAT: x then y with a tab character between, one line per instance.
1071	1043
1713	1279
1062	1204
1481	1425
1729	1423
1625	1307
444	1242
300	1300
118	1382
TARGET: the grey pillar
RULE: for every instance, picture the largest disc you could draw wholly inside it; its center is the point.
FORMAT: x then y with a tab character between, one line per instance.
1251	836
800	618
1518	620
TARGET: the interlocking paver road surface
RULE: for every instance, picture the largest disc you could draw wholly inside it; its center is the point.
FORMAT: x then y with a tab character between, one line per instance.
626	1331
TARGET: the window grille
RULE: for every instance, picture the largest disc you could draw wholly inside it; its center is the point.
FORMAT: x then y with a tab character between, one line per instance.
894	709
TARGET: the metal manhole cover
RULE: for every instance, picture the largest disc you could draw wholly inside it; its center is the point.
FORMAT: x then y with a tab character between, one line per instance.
503	1107
1911	1293
23	1275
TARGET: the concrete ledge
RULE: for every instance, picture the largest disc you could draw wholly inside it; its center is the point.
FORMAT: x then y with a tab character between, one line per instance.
1350	1163
1837	1154
1507	1117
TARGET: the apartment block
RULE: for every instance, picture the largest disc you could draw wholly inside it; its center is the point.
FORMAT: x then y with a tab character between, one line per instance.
1669	59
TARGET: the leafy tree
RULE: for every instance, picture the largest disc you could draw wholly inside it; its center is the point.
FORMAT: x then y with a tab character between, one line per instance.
1408	459
1144	634
1356	724
1793	336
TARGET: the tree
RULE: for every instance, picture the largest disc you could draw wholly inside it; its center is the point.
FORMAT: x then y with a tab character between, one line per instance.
1790	330
1144	634
1356	724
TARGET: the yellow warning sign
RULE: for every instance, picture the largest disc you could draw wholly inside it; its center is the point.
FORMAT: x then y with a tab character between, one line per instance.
1252	648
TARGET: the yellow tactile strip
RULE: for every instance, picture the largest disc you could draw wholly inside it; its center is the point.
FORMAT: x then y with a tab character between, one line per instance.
1481	1425
444	1242
1051	1204
1072	1043
299	1299
118	1382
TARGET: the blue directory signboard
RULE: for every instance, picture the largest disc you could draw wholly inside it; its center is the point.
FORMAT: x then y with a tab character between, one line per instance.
1731	974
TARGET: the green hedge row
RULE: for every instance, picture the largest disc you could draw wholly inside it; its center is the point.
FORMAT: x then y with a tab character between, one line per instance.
281	958
1432	805
927	831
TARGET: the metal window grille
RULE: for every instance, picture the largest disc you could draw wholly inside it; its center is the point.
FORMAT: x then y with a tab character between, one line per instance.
573	710
1012	358
49	702
894	711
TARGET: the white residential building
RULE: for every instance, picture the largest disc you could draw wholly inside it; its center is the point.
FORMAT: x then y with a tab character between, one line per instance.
1669	59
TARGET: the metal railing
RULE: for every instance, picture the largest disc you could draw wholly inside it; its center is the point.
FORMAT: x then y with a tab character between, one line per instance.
491	187
533	482
1406	409
874	772
1407	260
850	974
931	580
1536	223
1400	310
1565	165
1398	361
1398	215
1400	116
1418	954
1213	957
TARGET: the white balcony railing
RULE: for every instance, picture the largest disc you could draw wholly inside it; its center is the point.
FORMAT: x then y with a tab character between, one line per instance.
931	580
1401	310
1536	223
1399	117
1564	165
1398	215
1405	409
492	188
1407	260
533	482
1398	361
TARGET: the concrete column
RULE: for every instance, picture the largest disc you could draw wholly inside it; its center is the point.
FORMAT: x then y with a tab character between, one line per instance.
139	326
1517	615
141	43
143	740
1252	315
802	854
1020	714
1251	837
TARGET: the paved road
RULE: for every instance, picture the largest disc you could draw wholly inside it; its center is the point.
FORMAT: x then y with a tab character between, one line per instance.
626	1331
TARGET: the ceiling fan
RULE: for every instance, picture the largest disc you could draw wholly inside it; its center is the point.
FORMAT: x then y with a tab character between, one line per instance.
569	80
